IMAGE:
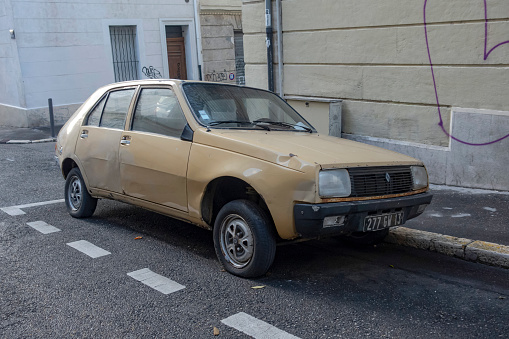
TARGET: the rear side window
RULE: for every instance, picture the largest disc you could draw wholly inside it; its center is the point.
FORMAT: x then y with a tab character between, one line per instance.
158	111
95	116
115	110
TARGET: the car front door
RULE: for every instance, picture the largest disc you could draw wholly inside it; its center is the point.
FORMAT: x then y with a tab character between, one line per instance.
98	144
153	158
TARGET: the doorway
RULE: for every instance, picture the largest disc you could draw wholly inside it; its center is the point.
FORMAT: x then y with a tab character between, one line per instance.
175	45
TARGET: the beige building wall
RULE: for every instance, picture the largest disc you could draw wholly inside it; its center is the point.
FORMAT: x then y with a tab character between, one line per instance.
374	56
219	19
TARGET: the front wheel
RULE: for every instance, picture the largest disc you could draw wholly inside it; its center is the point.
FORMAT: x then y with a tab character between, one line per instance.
79	202
243	240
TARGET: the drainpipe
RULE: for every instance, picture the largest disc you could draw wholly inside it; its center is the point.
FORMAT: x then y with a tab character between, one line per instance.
197	28
268	41
279	48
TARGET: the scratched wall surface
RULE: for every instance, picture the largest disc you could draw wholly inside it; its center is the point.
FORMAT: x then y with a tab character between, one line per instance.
374	56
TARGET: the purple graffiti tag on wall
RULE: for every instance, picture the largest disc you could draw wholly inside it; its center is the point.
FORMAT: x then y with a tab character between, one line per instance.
486	55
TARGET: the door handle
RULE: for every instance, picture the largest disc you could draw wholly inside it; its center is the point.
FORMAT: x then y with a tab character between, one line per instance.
126	140
84	134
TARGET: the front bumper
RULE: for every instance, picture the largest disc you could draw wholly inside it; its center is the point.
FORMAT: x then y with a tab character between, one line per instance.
309	217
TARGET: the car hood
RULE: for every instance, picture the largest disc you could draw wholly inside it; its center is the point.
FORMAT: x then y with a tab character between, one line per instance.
299	150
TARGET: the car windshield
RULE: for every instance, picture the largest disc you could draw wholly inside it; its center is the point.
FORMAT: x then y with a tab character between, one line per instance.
227	106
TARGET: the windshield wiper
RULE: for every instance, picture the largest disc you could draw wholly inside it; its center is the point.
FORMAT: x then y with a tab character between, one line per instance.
219	122
282	123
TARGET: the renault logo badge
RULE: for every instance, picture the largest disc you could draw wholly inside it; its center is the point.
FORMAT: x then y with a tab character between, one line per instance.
387	177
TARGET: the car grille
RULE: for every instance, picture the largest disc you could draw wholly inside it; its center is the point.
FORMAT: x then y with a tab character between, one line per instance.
372	181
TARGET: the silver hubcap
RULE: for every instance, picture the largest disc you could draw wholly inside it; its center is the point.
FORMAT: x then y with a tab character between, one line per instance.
75	193
236	241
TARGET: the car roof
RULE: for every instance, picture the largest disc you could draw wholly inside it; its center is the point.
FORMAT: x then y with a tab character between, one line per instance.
156	82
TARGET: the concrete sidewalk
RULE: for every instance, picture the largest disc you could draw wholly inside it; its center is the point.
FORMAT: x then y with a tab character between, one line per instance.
13	135
471	224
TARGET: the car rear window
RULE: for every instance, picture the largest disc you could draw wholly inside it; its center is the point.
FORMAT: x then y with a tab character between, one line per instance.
116	108
95	116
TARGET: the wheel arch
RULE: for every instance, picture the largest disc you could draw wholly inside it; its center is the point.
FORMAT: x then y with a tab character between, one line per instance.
67	165
223	190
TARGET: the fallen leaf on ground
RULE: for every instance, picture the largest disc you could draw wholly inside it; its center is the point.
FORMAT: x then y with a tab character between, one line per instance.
257	287
216	331
391	266
137	238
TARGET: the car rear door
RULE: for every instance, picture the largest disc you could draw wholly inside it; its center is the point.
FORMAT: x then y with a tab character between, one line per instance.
153	158
99	140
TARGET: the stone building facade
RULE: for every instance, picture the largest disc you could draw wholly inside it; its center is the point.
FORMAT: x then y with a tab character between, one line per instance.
222	41
426	78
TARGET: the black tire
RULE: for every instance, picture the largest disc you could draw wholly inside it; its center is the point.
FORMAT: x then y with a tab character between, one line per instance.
78	201
366	238
244	242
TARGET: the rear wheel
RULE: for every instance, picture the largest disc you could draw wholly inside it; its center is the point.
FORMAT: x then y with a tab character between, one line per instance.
79	202
366	238
243	240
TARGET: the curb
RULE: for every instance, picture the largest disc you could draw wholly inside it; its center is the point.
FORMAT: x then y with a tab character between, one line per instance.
466	249
18	142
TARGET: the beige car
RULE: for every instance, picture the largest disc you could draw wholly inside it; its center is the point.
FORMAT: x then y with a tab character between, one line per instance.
236	160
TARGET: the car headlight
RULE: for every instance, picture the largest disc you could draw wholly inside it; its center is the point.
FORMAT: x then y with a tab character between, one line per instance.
334	183
419	177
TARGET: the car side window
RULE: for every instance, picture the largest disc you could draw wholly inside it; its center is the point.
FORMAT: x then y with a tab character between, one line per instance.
95	116
115	110
158	111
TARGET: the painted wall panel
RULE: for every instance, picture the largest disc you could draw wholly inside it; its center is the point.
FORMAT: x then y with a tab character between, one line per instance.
39	54
59	39
58	25
58	68
402	84
449	44
58	89
29	10
324	14
232	5
403	122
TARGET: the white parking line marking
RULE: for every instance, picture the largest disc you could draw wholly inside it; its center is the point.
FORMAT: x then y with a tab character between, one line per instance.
256	328
461	215
156	281
16	210
43	227
88	248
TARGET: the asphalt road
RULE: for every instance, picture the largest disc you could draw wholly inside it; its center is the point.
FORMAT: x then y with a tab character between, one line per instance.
317	289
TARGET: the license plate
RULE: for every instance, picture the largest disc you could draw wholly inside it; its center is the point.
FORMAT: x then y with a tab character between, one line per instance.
381	221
